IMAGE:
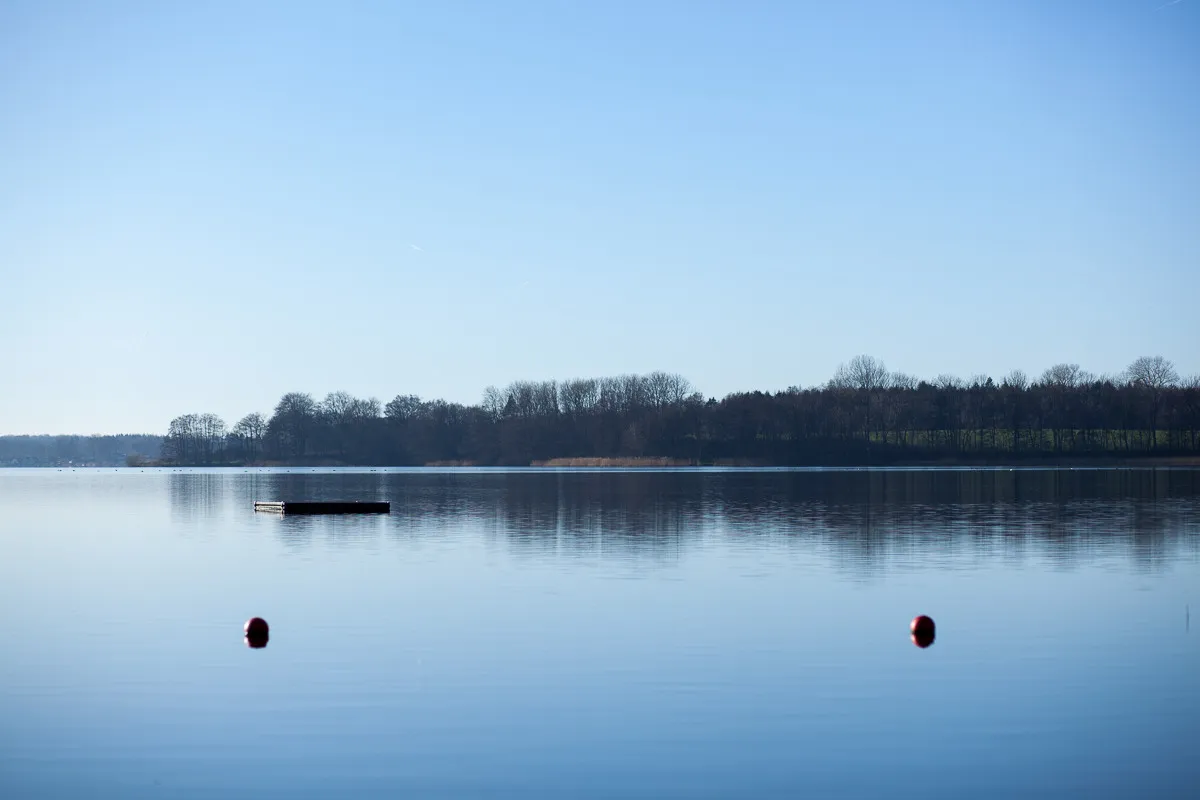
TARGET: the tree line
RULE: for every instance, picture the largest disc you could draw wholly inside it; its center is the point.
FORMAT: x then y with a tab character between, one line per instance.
865	414
865	520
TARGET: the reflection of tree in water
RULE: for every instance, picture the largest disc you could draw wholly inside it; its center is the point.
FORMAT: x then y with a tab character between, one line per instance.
865	521
304	484
299	532
623	515
342	530
195	495
542	512
890	519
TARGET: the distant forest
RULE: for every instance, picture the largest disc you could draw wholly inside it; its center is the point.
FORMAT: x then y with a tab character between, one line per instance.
78	451
863	415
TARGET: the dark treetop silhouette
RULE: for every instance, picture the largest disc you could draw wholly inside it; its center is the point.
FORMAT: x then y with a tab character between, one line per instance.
863	415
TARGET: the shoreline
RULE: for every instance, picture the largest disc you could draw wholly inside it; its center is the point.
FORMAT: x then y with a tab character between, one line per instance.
1095	462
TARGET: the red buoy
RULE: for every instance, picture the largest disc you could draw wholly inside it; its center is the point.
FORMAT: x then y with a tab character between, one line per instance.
257	632
923	631
257	626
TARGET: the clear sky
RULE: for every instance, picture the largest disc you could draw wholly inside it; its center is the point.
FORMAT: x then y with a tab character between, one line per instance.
205	205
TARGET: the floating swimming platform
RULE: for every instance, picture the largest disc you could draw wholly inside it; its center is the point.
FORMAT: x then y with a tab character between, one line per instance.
324	507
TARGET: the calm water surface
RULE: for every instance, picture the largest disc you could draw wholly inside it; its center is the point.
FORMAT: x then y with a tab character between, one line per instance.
586	634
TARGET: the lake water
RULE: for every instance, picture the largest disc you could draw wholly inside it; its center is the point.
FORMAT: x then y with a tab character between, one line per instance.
601	634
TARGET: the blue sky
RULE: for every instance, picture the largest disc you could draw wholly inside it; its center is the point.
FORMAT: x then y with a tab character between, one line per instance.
203	206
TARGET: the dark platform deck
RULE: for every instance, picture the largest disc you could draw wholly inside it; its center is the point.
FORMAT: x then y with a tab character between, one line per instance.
326	507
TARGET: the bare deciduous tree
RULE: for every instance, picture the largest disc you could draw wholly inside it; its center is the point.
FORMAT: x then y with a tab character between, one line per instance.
1016	379
863	372
665	389
493	404
212	436
362	409
404	407
336	406
179	446
579	396
251	430
194	439
293	421
1062	375
1153	374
